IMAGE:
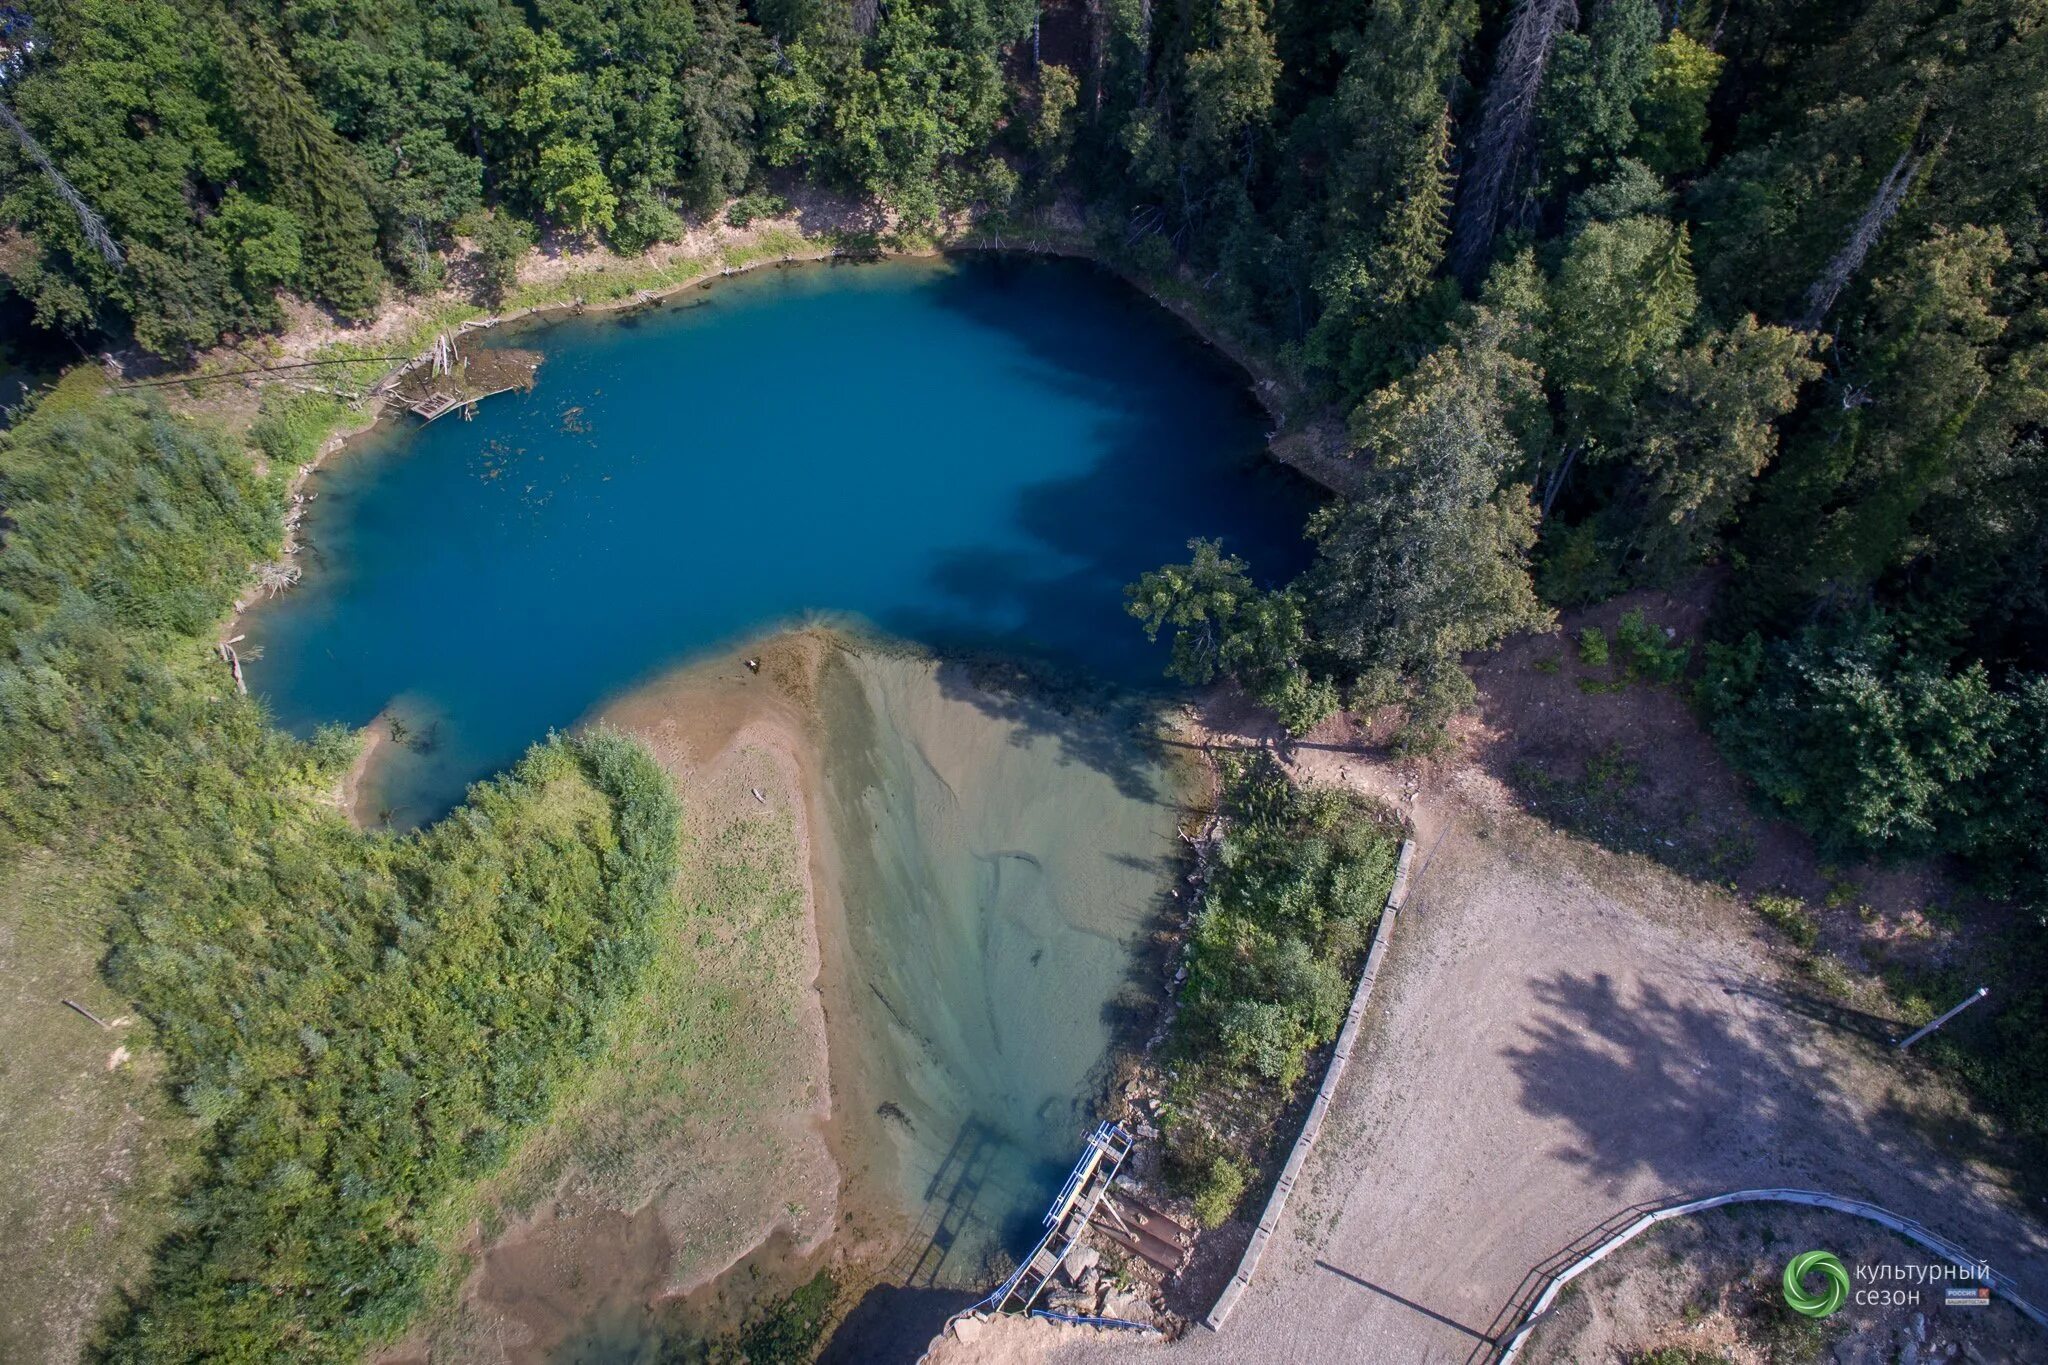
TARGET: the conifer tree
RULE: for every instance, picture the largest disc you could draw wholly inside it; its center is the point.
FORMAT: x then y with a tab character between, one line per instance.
303	165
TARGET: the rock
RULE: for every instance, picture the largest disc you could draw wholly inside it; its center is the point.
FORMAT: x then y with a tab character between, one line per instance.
1130	1306
1080	1260
968	1329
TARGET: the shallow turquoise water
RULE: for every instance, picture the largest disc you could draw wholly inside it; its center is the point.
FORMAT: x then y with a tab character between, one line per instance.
1000	863
974	452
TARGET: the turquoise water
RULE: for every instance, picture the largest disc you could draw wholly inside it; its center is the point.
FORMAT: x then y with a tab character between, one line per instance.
974	452
1000	866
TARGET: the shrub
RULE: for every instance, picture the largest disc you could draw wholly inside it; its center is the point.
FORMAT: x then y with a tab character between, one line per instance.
1651	655
1787	914
1217	1192
1593	646
1301	878
755	204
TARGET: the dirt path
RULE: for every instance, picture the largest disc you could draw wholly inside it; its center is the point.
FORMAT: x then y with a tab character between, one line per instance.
1563	1033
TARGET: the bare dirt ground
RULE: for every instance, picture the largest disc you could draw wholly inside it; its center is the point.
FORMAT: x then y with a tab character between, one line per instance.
1712	1284
1563	1033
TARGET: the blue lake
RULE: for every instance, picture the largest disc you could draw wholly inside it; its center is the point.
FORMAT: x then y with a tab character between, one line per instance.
975	455
970	452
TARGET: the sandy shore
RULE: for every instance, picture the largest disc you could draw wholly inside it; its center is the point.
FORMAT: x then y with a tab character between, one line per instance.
702	1146
349	794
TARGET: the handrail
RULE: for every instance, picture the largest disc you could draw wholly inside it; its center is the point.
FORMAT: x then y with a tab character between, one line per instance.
1905	1227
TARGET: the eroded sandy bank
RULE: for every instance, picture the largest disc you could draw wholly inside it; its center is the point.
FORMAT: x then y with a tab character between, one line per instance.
984	869
700	1142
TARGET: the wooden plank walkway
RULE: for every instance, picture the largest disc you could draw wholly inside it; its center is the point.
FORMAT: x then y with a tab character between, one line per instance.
1067	1220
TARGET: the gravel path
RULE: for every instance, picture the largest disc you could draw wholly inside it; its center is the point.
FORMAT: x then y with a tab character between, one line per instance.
1560	1035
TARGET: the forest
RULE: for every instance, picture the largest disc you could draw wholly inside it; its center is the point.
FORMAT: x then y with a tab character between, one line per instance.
1607	295
1602	295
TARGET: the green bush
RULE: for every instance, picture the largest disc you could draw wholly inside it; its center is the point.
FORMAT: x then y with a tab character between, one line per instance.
1301	879
755	204
1218	1189
1593	647
1650	654
1787	914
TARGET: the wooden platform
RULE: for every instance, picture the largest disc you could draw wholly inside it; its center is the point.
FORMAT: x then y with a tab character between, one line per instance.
1068	1218
452	376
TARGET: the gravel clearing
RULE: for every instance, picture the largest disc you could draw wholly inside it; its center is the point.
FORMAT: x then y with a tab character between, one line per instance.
1561	1034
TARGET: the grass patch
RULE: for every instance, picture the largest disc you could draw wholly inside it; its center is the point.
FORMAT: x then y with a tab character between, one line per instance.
1789	916
790	1330
1603	803
94	1153
1300	881
702	1046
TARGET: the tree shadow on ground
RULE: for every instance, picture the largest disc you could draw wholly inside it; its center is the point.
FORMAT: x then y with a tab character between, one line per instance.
1116	738
1688	1099
1873	1027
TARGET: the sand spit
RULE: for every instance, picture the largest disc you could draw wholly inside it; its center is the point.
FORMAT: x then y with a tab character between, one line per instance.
699	1146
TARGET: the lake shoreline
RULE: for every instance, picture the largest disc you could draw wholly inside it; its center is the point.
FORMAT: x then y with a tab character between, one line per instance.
749	1197
866	1125
1314	447
652	1280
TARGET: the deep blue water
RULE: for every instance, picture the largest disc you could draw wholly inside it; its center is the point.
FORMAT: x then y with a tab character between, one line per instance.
973	453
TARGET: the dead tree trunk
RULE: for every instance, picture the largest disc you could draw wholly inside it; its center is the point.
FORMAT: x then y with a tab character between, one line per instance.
89	221
234	663
87	1013
1493	163
1891	192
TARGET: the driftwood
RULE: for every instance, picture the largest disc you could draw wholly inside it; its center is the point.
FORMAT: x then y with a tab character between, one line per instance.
234	663
277	576
1494	163
1870	224
86	1012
